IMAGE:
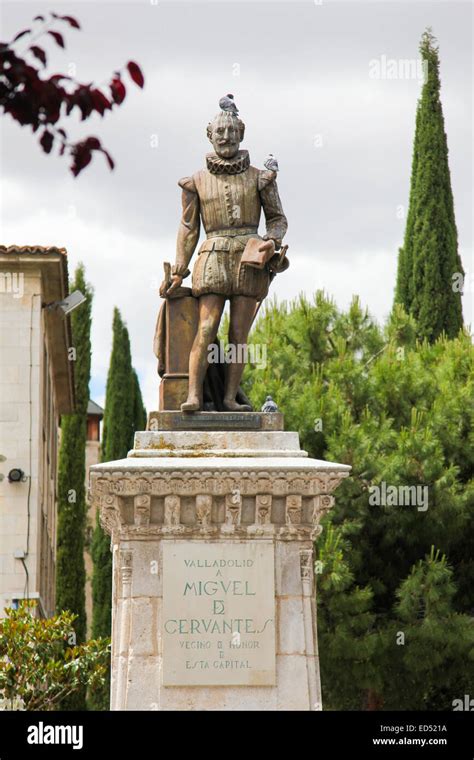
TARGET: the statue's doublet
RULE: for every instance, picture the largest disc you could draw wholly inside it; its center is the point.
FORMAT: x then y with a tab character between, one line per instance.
228	197
229	201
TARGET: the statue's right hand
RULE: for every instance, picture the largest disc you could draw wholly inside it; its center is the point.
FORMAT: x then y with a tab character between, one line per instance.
176	281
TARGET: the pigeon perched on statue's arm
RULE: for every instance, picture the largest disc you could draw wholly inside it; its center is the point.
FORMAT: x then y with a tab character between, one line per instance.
271	163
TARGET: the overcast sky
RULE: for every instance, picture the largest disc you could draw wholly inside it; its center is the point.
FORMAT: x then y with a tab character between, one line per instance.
301	76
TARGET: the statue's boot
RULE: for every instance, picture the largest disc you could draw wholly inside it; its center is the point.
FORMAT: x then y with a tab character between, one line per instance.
233	406
191	405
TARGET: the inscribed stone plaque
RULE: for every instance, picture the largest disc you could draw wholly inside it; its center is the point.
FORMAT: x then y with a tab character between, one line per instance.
218	614
216	421
166	420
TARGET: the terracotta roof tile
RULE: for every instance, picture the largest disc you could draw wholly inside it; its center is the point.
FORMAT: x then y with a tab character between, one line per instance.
32	249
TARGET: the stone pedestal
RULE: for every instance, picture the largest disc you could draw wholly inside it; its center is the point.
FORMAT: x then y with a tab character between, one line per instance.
213	591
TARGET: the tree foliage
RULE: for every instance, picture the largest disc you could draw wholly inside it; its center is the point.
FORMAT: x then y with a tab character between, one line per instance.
139	411
400	412
41	102
430	273
72	508
40	663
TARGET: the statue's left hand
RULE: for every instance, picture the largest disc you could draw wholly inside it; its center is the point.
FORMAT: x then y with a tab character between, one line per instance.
269	247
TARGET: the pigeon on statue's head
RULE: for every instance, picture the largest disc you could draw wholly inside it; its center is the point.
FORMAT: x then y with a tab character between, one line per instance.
269	405
227	104
271	163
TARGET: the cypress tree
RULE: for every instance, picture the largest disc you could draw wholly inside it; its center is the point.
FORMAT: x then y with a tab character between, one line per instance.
429	259
72	510
139	411
124	413
119	395
70	570
403	292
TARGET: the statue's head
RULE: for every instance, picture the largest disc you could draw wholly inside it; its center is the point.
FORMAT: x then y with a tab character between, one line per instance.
226	132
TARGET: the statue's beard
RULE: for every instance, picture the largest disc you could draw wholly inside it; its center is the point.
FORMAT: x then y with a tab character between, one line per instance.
229	150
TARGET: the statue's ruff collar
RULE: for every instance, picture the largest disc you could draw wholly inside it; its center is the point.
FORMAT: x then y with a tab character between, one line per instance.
236	165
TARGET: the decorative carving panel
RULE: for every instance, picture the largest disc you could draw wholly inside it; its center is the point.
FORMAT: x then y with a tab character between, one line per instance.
306	498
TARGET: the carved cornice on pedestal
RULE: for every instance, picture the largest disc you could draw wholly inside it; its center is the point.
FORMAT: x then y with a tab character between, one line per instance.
171	513
263	508
142	507
294	509
203	509
287	505
233	508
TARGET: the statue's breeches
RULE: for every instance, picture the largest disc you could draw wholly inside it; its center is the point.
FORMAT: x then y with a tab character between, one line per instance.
218	270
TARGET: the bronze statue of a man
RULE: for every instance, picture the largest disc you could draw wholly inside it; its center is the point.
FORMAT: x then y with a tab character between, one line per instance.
227	196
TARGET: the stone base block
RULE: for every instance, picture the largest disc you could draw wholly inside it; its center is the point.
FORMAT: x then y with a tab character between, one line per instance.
194	443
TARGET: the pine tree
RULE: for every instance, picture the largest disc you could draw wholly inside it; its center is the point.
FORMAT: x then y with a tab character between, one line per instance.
400	412
427	285
347	640
428	622
124	413
70	570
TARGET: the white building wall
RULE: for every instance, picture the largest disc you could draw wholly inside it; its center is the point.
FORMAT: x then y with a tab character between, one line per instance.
22	418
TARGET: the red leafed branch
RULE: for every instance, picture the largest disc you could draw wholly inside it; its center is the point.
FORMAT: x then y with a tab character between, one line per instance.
136	73
36	100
